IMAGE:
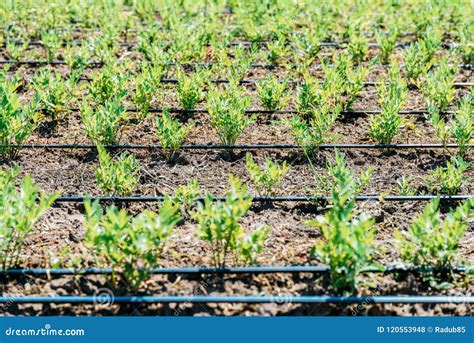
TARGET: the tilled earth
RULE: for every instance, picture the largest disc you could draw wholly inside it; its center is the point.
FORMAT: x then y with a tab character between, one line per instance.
290	241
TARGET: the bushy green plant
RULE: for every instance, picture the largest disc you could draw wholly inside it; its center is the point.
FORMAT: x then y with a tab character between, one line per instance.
16	50
277	50
309	42
53	92
108	83
268	176
310	97
17	121
117	177
20	210
102	124
358	46
354	83
438	88
189	89
440	126
449	179
404	186
386	41
385	126
218	225
77	57
171	134
272	93
418	60
347	245
334	83
227	67
432	240
462	125
227	113
52	42
309	135
143	93
186	195
130	246
466	46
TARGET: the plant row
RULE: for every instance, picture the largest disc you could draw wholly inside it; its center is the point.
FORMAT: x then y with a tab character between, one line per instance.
133	244
190	25
104	109
298	56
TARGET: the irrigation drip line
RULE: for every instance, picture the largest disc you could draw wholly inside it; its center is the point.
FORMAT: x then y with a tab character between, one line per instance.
239	146
229	270
41	62
202	299
342	44
253	81
202	64
289	198
259	111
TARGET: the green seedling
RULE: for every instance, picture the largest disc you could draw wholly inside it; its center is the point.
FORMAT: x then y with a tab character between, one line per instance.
268	176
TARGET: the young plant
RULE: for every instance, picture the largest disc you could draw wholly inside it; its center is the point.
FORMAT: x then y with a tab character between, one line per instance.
77	57
277	50
347	245
418	61
466	46
53	92
354	83
310	136
462	125
52	42
404	186
130	246
227	113
268	176
143	94
227	67
186	195
449	179
440	126
171	134
102	125
385	126
438	88
386	41
310	97
189	89
119	177
218	225
17	121
358	46
432	240
16	50
272	93
20	210
108	83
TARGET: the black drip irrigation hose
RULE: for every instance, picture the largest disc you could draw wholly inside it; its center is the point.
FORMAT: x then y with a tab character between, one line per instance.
242	43
202	299
290	111
269	199
203	64
43	62
239	146
231	270
253	81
